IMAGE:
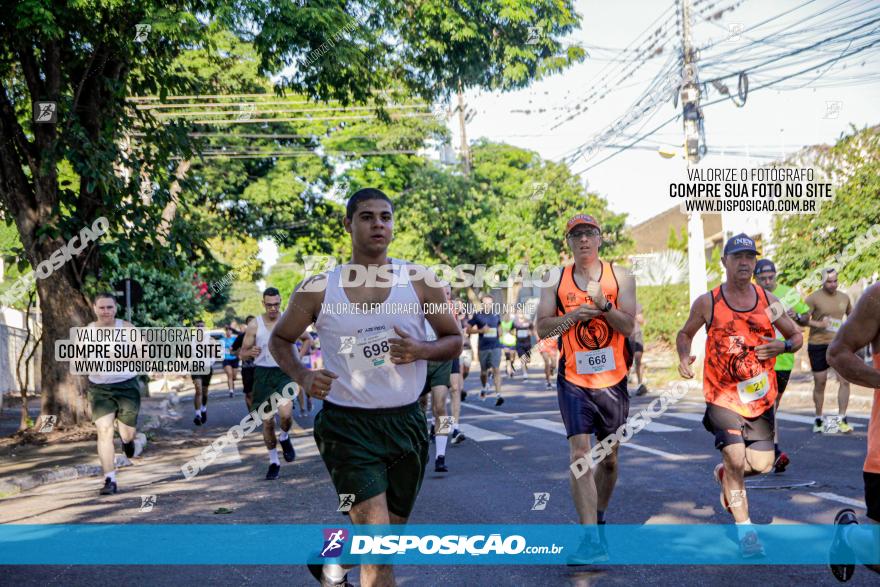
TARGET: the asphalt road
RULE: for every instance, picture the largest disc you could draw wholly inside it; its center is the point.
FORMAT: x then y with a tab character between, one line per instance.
513	452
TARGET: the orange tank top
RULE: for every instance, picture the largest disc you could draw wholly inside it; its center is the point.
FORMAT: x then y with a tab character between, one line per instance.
872	461
594	355
733	376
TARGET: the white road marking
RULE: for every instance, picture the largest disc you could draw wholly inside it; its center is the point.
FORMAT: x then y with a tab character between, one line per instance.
558	428
544	424
480	408
481	434
840	499
658	427
684	416
666	455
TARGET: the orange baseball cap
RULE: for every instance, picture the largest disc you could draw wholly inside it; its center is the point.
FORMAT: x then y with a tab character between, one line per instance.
584	219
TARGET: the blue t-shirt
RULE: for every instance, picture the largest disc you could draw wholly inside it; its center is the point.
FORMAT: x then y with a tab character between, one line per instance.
490	339
227	346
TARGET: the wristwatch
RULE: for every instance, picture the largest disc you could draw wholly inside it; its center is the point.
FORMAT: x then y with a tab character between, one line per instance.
788	346
607	307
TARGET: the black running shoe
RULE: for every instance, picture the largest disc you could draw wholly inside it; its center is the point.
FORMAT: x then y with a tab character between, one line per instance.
109	487
197	421
840	550
431	434
273	471
499	401
128	448
642	390
457	437
317	571
440	465
463	395
287	449
204	416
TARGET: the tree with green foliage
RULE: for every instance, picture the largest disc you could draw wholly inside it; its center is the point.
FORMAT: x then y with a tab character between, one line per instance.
87	58
846	229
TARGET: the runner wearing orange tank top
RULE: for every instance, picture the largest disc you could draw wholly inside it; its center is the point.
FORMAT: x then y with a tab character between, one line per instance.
862	329
590	307
739	383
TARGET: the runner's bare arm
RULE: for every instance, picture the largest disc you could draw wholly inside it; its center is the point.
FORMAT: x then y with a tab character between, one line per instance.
622	318
302	309
250	339
546	320
306	341
700	316
405	349
789	330
823	323
863	327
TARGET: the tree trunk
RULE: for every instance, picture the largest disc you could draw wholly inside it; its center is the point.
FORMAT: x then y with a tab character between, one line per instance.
63	307
170	210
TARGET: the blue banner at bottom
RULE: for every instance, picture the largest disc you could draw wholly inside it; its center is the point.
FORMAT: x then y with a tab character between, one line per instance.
532	544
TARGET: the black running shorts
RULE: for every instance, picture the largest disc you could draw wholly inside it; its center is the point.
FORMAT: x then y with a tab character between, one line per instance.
732	428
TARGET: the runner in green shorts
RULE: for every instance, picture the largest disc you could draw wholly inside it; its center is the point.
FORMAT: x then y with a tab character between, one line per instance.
113	397
371	433
269	379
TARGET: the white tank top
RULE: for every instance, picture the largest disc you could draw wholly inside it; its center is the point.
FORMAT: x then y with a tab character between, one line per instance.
110	378
265	358
354	346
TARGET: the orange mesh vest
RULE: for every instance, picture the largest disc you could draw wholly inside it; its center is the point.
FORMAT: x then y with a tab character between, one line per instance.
872	461
733	376
593	355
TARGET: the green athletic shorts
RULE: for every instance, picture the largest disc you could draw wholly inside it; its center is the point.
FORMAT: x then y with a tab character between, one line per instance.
438	374
122	399
268	380
369	452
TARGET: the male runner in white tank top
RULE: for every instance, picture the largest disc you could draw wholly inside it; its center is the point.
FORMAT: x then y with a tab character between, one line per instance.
371	433
269	379
113	397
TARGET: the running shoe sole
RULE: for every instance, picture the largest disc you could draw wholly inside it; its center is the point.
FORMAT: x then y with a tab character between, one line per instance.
128	448
843	572
287	450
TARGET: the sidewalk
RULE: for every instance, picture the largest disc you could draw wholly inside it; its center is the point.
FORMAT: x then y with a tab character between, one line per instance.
69	455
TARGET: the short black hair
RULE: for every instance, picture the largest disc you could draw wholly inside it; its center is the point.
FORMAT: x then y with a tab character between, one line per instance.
249	318
362	196
103	294
271	291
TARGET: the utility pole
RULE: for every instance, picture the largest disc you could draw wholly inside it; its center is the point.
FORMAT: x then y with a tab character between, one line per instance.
465	152
692	116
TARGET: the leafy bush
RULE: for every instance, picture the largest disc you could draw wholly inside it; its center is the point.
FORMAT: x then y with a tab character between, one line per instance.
665	308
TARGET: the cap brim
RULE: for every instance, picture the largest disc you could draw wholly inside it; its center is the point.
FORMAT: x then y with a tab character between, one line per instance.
742	250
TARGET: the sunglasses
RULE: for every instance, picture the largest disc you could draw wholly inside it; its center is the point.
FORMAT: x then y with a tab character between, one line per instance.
579	234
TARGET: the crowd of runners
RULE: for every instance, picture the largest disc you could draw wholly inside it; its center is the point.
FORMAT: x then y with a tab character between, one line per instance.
378	374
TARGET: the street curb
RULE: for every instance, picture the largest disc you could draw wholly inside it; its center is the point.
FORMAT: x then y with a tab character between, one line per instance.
156	420
19	483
